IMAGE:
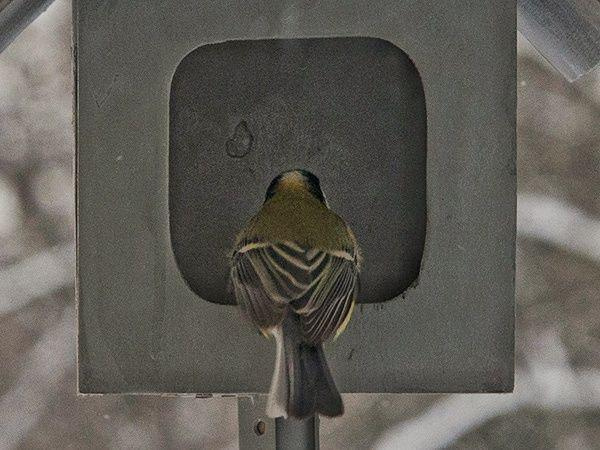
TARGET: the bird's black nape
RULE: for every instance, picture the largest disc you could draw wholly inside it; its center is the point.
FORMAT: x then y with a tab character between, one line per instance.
311	181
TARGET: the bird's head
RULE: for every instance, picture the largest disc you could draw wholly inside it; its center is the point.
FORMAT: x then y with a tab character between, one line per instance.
297	181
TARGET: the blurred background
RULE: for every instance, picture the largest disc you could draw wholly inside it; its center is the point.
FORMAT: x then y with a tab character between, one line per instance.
556	404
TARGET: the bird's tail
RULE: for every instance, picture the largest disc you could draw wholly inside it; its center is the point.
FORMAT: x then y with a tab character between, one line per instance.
302	384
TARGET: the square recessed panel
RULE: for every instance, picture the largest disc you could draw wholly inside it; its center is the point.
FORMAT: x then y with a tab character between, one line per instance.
139	66
351	110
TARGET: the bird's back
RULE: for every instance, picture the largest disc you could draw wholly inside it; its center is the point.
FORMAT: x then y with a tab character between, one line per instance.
303	220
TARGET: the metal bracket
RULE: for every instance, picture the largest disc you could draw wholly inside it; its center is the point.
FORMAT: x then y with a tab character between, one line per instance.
565	32
15	15
256	430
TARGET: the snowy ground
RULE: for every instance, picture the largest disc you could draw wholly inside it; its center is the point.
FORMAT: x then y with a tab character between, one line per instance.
556	403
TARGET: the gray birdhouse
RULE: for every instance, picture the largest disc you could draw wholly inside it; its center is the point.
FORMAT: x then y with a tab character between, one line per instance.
187	109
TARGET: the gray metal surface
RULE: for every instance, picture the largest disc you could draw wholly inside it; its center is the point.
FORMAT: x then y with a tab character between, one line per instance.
142	329
252	434
331	106
293	434
15	15
565	32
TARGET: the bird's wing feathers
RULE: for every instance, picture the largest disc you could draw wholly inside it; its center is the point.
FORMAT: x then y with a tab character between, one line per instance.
325	307
251	294
318	285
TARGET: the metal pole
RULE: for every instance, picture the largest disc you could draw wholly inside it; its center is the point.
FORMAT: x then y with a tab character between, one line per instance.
293	434
565	32
15	15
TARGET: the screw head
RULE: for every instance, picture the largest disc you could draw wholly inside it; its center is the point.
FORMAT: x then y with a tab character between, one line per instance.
260	427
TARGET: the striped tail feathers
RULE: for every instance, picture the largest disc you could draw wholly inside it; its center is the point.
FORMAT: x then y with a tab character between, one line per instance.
302	385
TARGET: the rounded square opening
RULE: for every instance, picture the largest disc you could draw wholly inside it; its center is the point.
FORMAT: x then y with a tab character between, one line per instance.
350	110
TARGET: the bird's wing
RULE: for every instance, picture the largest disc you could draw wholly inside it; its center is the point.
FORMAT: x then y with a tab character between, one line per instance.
266	277
252	297
326	307
319	285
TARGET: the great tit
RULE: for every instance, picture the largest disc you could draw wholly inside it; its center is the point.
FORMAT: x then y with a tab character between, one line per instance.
294	273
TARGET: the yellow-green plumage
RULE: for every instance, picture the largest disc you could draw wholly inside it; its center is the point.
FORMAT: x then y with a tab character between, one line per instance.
296	216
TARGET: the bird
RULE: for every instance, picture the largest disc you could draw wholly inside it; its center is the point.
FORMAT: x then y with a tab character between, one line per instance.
295	275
